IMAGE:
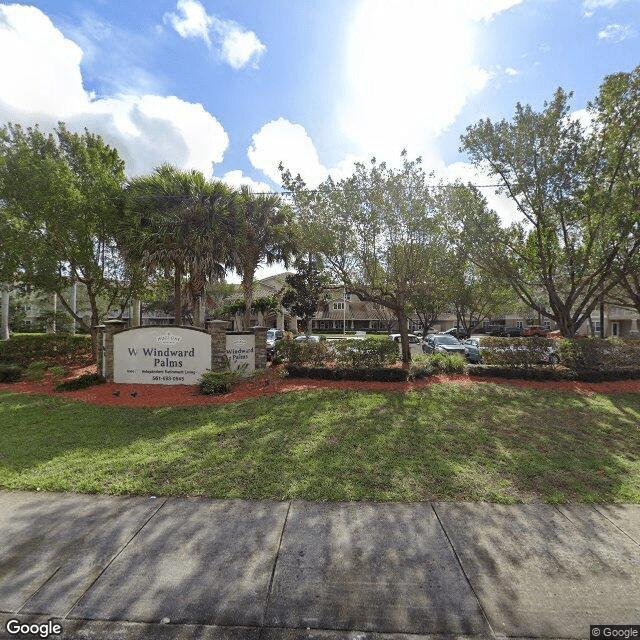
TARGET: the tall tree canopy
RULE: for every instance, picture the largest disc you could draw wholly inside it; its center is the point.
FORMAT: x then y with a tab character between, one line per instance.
264	234
376	231
60	195
180	223
577	190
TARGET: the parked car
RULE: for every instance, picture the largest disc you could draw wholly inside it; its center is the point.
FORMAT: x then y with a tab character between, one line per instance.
456	332
273	336
550	356
503	330
443	343
310	338
473	350
413	339
535	330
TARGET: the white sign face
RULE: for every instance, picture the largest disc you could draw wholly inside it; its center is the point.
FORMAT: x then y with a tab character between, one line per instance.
241	352
159	355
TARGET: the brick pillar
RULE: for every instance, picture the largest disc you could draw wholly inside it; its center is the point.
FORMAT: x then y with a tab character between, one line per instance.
111	327
260	334
218	331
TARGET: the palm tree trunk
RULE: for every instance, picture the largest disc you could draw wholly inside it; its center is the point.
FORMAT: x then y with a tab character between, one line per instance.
177	296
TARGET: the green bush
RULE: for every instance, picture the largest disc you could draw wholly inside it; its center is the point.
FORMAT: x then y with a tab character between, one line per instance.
301	352
215	383
81	382
423	366
596	354
369	353
518	352
339	373
35	371
10	373
25	348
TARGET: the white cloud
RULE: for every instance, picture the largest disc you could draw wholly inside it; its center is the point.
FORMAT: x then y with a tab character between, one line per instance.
616	33
591	5
238	46
281	141
193	21
43	85
510	71
237	179
44	69
411	68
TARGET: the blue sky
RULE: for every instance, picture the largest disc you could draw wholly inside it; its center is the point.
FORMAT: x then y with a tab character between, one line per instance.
233	87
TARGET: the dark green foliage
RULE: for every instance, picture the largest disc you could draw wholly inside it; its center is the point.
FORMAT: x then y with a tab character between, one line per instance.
548	374
215	383
339	373
584	354
81	382
367	353
423	366
35	371
519	352
10	373
24	349
301	352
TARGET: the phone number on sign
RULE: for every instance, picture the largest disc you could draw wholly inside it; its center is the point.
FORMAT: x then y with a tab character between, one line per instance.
168	378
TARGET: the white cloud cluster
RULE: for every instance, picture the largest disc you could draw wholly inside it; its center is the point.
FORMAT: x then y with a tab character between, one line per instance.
616	33
238	46
282	141
43	85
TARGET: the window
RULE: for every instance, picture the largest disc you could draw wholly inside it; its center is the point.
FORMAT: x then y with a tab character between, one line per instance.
347	296
596	326
519	324
338	306
547	325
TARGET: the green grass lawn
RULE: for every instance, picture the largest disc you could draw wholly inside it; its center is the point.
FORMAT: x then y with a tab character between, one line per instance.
479	443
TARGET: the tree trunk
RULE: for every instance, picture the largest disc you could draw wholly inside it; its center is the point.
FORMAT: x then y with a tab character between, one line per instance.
4	316
404	337
247	289
177	296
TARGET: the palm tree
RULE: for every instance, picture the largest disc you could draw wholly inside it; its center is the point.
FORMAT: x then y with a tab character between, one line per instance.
178	221
264	235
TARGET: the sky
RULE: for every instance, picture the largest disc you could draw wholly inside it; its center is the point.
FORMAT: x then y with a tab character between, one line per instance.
233	88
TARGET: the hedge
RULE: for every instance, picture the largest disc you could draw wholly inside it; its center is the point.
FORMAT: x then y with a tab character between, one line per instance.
554	375
589	354
50	347
10	373
518	352
340	373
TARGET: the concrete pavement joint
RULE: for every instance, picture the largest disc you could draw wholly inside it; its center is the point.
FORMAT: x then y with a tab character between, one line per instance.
33	595
606	517
273	571
144	524
464	573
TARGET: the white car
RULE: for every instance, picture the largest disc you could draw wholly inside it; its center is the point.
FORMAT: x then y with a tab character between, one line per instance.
413	339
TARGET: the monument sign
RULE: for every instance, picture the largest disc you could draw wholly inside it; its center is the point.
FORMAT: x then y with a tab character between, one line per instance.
241	351
161	355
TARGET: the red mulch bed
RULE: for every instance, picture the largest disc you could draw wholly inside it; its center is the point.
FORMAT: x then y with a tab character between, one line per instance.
154	395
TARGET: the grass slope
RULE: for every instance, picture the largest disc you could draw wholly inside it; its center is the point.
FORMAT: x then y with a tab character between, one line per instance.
480	443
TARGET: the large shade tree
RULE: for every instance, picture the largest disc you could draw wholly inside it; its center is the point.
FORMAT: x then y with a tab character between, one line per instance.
376	231
60	193
576	188
177	223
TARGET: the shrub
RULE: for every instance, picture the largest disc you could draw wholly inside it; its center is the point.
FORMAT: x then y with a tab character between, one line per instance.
339	373
215	383
301	352
25	348
368	353
81	382
518	352
596	354
423	366
10	373
35	371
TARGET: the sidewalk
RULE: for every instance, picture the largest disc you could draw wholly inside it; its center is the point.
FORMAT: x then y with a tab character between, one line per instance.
143	567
